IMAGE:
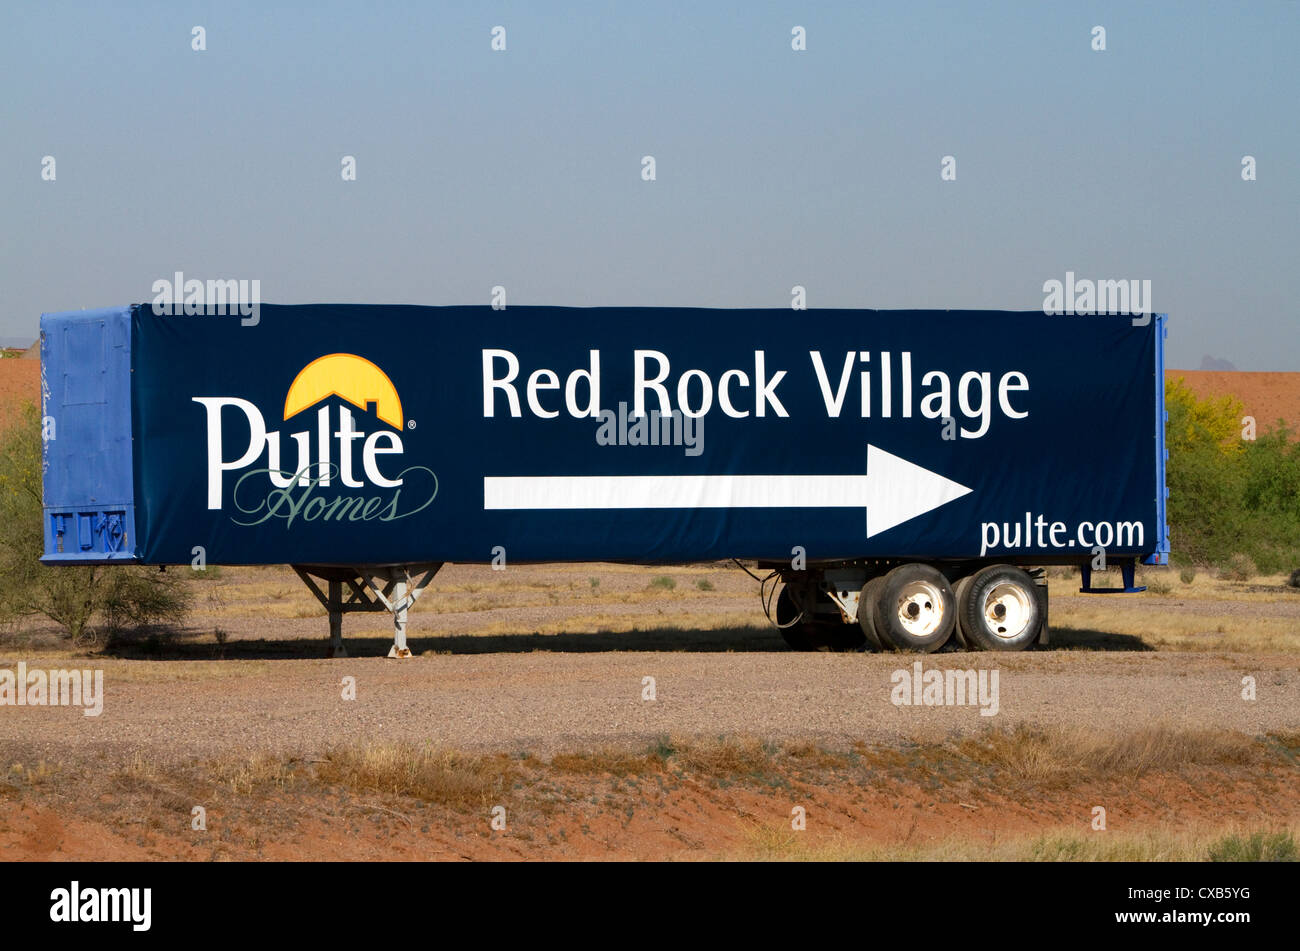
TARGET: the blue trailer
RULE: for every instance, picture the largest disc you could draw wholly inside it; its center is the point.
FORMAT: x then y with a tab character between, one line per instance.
903	476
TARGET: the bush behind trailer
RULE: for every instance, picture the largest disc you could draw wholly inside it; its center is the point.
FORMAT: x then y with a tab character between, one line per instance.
903	476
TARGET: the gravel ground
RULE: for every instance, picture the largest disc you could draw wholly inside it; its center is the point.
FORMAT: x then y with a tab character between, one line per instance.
548	701
552	657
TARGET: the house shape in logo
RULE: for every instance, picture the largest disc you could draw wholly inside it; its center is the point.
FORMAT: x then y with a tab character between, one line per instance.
351	378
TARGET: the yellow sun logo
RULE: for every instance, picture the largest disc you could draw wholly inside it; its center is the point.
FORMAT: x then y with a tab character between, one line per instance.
350	378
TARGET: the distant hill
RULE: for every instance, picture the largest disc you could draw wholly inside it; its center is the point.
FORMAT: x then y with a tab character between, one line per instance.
1214	363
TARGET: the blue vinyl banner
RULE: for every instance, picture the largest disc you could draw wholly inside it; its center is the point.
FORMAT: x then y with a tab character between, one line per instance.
350	434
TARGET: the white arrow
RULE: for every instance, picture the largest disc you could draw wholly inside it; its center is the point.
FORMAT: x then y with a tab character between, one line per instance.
892	491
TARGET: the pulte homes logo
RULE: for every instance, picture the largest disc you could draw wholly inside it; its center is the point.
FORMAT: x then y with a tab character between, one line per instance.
330	460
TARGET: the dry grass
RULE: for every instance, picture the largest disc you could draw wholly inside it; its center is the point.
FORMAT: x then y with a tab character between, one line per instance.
142	789
1027	759
1206	584
149	671
1208	844
814	756
1042	758
1075	626
261	798
260	772
704	758
724	757
611	762
1255	617
136	769
446	777
1068	755
21	775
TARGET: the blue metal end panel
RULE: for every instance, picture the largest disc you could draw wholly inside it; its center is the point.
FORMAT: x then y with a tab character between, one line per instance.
89	494
1161	555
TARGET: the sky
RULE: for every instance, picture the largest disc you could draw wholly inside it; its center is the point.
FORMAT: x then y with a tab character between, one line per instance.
773	167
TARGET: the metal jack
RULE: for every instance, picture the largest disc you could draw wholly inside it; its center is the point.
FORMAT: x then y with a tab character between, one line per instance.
392	588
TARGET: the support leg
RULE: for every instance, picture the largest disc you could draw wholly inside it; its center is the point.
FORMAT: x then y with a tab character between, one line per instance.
336	648
398	594
400	603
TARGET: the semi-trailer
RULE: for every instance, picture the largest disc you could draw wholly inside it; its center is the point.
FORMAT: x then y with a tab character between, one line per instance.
902	477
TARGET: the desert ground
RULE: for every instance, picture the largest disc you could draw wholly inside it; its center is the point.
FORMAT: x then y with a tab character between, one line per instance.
526	706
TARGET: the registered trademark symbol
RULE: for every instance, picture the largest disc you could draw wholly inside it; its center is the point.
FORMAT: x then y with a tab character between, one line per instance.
410	424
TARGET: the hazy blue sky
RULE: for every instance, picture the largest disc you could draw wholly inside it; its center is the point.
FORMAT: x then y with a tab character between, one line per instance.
774	167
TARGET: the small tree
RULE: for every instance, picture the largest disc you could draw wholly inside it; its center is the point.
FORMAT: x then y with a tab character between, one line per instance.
1214	420
80	598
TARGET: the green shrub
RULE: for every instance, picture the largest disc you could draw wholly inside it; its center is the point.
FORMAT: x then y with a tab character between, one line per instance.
83	599
1240	568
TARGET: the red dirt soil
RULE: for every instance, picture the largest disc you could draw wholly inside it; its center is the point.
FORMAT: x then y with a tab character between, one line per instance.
687	820
20	382
1266	396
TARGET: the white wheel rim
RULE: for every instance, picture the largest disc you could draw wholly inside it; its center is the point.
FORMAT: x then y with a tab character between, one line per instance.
920	608
1007	610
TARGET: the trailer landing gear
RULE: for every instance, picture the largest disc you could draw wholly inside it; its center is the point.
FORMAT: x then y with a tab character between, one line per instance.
392	588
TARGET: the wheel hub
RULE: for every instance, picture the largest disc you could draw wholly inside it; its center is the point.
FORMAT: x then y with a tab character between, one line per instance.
1007	610
920	608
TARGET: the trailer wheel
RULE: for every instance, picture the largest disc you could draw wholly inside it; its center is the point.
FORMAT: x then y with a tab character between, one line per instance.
867	611
807	635
915	609
999	609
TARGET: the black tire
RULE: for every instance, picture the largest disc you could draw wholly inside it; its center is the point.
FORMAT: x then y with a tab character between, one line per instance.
999	609
959	591
821	635
932	614
867	612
